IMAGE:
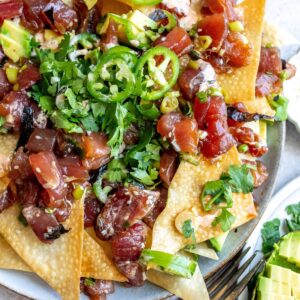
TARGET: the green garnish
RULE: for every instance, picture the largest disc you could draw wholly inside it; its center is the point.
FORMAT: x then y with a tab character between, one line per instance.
243	148
226	219
294	212
22	219
236	26
280	105
169	263
218	194
270	235
89	281
188	230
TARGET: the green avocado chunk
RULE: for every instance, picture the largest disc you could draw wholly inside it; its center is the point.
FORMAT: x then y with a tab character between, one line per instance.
273	296
268	285
290	247
15	40
281	276
219	241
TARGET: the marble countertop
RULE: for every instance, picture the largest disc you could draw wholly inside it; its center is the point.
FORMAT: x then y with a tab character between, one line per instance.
277	11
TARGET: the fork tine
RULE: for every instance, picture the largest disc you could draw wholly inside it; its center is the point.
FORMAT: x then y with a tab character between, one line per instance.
230	281
211	281
235	290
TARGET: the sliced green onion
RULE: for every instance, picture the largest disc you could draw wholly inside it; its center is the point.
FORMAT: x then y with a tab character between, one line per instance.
169	103
49	210
169	263
101	193
192	159
78	192
243	148
194	64
202	96
204	41
89	281
215	92
283	75
12	74
236	26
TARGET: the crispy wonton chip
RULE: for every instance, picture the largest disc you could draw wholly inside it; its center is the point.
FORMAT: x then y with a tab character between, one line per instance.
187	289
239	86
9	259
8	143
59	264
94	262
4	181
184	203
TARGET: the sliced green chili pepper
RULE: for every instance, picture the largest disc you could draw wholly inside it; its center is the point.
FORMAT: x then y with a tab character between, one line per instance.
125	53
155	78
86	40
112	80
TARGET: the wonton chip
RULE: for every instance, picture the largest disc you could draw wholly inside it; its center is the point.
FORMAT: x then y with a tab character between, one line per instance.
8	143
9	259
184	199
239	86
187	289
58	264
94	262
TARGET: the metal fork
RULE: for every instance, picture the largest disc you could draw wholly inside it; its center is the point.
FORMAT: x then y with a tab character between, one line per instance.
224	283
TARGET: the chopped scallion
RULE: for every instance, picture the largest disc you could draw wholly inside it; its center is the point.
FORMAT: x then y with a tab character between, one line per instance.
169	263
236	26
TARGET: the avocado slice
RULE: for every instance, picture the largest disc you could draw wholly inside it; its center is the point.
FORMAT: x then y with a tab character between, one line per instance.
290	247
296	292
268	285
15	40
219	241
272	296
281	277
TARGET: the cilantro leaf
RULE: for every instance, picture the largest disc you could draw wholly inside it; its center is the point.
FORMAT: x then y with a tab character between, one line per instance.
188	230
270	235
89	123
226	219
219	191
61	121
146	177
114	125
241	179
116	171
293	211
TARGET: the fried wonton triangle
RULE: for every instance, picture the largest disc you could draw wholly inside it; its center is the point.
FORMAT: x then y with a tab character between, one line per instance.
59	264
184	199
239	86
95	262
9	259
187	289
8	144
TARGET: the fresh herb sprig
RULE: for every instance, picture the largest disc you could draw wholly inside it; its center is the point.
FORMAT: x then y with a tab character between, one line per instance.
271	230
218	194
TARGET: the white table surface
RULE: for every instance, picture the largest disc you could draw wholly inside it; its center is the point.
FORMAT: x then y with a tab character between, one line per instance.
285	13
